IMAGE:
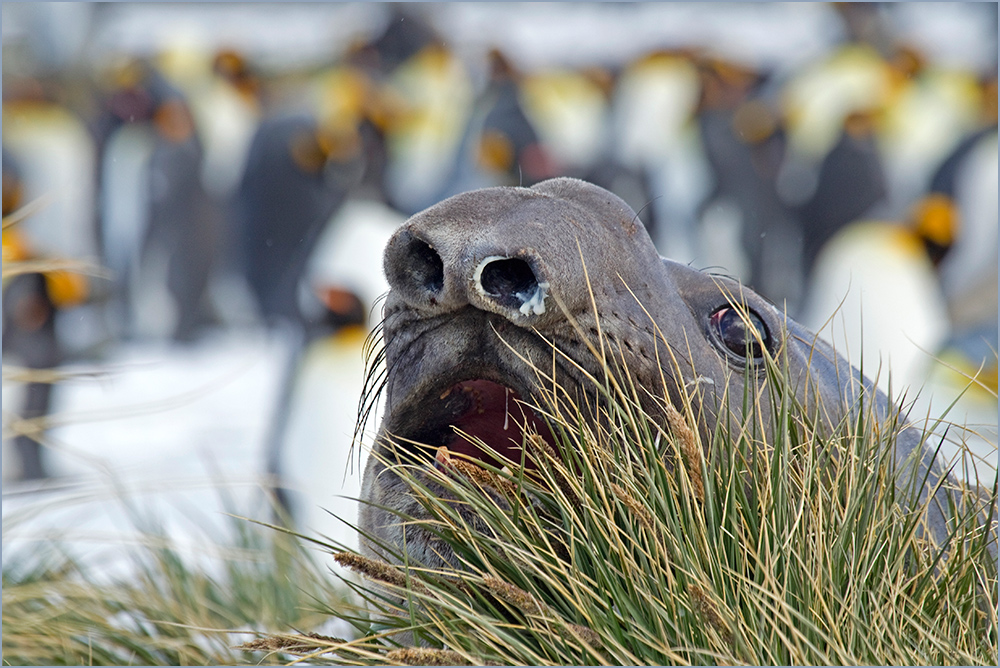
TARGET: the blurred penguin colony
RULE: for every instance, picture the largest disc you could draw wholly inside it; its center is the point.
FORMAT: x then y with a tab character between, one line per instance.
221	186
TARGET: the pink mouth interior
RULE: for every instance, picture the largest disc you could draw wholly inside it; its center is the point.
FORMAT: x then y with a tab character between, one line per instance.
498	418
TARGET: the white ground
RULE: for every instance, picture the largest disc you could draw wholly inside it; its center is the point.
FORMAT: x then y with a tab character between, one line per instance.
168	433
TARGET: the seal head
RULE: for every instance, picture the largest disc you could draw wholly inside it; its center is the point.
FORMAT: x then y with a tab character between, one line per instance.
486	285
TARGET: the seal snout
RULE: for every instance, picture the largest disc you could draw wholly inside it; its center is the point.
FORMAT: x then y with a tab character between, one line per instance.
430	275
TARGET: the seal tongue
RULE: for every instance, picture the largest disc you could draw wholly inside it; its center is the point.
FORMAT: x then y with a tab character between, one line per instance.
498	418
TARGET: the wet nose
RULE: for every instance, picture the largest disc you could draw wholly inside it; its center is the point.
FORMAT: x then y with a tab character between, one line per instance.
431	275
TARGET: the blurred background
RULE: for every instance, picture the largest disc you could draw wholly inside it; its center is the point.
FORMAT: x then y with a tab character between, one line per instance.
196	197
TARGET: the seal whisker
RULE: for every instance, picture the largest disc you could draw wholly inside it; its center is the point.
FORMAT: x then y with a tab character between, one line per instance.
643	208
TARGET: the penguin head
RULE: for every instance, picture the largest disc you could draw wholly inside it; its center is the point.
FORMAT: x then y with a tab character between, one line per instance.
13	188
725	84
862	124
230	65
935	221
343	308
988	106
173	121
324	150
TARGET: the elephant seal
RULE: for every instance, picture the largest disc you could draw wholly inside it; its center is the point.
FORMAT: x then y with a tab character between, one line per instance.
485	283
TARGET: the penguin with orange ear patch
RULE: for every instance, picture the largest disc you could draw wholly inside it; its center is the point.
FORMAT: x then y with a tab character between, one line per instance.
298	173
745	146
957	222
957	218
30	303
851	181
501	145
919	297
158	234
308	431
180	222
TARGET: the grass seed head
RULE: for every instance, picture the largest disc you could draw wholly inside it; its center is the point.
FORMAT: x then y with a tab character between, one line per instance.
424	656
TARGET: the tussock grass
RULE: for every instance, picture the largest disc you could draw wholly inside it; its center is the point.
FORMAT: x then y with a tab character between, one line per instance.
641	543
165	605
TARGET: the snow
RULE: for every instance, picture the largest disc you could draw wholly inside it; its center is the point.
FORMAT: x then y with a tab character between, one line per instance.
173	439
164	433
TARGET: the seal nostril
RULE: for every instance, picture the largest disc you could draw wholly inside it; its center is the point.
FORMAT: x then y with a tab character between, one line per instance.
425	265
511	283
508	277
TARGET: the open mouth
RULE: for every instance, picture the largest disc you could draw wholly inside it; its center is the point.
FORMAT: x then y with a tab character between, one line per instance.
478	412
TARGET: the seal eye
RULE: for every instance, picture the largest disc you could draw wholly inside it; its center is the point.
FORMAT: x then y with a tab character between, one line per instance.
731	330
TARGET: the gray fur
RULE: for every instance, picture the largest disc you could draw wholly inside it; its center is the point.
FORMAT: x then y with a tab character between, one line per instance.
440	332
